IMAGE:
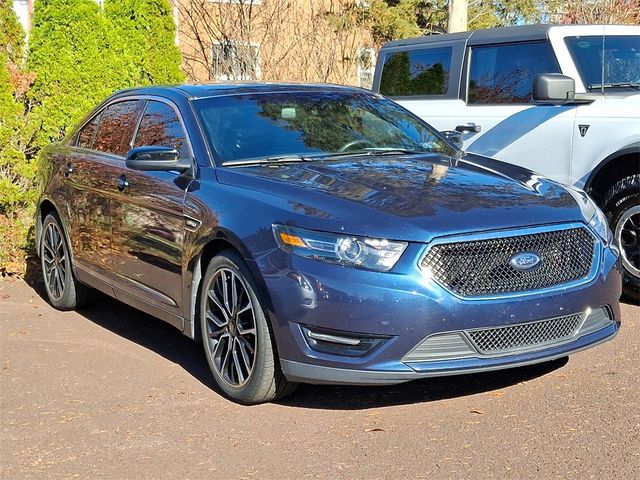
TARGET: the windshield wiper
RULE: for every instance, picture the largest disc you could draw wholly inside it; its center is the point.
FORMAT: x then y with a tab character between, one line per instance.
613	85
393	151
275	160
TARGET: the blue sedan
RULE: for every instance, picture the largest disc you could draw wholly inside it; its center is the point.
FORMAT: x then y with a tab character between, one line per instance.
320	234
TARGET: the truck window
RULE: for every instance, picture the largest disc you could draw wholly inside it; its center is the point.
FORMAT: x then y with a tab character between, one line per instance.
612	61
504	73
419	72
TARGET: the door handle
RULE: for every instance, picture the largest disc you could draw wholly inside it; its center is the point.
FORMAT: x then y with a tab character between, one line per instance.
122	183
469	127
68	169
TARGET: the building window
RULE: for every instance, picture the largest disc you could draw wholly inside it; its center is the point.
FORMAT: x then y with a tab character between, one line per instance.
366	65
235	61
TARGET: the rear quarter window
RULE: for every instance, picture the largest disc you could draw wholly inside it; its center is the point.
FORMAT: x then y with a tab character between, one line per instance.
416	72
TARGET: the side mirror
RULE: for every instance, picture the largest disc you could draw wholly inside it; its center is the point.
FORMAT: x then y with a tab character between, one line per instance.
553	88
157	158
454	137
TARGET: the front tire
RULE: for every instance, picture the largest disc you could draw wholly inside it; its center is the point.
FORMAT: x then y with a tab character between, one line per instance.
236	335
622	208
63	290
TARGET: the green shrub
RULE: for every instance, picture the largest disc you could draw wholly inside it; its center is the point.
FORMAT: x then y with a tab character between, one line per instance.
149	29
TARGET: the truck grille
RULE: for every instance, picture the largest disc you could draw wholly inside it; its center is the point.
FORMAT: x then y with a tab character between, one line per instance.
495	341
481	267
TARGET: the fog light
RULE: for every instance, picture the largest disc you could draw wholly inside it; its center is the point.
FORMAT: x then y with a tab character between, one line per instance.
341	343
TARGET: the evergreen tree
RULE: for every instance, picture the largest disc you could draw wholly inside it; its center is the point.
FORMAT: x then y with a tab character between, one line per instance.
11	33
78	61
149	30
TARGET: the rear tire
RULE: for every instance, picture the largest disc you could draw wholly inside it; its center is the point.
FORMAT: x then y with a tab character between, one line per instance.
63	289
622	208
236	334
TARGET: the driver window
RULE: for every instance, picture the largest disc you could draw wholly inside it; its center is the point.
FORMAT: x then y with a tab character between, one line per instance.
160	126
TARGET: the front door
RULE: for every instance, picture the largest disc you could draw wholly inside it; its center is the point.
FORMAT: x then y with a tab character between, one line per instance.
148	224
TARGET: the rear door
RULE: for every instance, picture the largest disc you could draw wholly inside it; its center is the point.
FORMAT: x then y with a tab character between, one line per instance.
423	79
90	169
148	224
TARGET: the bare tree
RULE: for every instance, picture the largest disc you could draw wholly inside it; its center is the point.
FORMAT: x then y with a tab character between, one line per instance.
304	40
601	11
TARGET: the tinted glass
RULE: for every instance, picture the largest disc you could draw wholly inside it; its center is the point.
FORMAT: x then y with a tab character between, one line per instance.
504	73
87	134
615	57
422	72
115	131
312	124
159	126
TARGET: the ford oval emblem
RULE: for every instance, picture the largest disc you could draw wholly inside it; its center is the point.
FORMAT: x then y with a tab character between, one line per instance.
525	261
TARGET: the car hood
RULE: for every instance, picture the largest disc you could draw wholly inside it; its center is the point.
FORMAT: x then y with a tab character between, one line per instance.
410	197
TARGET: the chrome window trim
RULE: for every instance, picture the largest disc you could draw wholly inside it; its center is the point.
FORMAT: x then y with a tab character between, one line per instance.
496	234
145	100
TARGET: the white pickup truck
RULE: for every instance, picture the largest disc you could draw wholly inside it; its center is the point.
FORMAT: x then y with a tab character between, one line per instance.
561	100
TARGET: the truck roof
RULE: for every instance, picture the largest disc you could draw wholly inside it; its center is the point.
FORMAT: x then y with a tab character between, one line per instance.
518	33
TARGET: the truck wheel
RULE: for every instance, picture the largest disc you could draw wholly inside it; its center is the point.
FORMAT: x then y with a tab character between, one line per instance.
622	208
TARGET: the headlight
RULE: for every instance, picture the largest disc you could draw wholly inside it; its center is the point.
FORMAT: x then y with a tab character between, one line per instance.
369	253
592	214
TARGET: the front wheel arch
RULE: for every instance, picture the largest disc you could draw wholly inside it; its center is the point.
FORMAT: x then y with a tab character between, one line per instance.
612	169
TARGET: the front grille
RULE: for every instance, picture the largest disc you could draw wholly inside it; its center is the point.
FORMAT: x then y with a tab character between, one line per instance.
496	341
481	267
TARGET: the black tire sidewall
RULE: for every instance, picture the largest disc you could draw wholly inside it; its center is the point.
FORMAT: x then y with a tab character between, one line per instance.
265	363
617	204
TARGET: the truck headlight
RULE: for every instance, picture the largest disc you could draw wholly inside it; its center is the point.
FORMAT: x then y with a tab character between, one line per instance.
361	252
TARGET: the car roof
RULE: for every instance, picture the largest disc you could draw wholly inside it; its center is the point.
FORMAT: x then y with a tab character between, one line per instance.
195	91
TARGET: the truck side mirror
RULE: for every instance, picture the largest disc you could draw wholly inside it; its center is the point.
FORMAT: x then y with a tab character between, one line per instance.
553	88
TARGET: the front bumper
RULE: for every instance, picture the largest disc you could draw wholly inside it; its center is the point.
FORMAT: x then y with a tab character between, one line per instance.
406	308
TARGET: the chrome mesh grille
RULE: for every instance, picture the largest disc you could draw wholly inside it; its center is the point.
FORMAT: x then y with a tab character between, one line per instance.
481	267
507	339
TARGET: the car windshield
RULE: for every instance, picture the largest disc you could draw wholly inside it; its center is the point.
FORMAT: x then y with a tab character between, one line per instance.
610	61
307	125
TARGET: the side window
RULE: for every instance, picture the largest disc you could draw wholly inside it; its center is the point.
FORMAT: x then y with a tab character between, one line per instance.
160	126
504	73
419	72
116	127
88	132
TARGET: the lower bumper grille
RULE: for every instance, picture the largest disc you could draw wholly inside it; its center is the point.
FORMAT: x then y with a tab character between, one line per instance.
492	341
509	339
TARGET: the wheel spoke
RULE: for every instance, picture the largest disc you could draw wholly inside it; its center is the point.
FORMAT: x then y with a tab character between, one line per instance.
225	291
247	345
246	331
246	358
236	363
221	323
234	295
214	298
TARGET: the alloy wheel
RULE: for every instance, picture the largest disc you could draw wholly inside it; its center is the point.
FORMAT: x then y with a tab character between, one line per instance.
627	236
55	261
231	327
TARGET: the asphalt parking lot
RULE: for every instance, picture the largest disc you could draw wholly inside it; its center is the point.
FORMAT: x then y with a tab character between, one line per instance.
110	392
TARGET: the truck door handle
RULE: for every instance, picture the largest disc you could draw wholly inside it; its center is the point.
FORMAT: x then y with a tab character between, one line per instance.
469	127
122	183
68	169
